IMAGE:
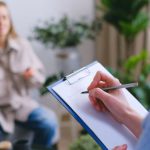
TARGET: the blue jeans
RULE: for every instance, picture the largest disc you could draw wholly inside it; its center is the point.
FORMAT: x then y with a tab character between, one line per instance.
44	124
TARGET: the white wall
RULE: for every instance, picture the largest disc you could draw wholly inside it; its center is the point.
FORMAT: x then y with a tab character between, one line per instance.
28	13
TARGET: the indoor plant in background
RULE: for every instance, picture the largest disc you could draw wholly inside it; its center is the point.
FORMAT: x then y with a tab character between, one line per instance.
142	92
127	17
63	33
64	36
84	142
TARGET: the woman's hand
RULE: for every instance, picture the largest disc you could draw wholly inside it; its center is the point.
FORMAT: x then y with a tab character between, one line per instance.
114	102
28	73
123	147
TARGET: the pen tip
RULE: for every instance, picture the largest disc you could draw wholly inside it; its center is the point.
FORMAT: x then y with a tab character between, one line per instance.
84	92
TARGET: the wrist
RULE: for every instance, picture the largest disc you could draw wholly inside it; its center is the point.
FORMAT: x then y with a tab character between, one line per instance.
133	121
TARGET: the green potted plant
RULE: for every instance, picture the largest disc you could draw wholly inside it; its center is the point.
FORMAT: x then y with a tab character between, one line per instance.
84	142
127	17
65	35
131	66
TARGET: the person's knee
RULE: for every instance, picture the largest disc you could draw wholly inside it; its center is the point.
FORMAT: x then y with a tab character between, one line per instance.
50	127
49	124
45	122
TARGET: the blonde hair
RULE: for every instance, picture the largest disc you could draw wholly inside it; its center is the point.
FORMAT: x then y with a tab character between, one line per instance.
12	33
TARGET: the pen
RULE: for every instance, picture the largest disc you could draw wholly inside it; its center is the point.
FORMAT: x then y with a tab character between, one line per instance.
129	85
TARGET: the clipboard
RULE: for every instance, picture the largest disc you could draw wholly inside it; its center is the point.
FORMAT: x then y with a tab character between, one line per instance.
109	133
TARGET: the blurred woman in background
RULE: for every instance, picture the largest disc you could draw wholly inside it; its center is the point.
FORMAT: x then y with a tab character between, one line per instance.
20	70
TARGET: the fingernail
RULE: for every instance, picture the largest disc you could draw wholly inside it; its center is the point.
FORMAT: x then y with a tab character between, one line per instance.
124	146
91	93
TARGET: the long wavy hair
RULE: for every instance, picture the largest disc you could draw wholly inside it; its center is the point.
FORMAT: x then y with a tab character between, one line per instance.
12	33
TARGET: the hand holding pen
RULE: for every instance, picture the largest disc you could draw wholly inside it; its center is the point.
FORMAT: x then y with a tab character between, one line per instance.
98	97
112	101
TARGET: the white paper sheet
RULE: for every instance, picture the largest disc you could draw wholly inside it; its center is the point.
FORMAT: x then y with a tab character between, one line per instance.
110	132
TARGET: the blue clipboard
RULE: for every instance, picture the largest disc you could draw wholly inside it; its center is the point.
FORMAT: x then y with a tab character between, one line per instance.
84	76
71	111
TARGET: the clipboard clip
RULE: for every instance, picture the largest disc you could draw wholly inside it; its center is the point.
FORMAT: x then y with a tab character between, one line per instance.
77	75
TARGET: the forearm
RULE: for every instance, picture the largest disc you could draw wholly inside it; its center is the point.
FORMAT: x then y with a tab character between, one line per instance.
133	122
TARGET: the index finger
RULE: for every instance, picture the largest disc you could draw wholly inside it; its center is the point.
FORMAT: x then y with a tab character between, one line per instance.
101	76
